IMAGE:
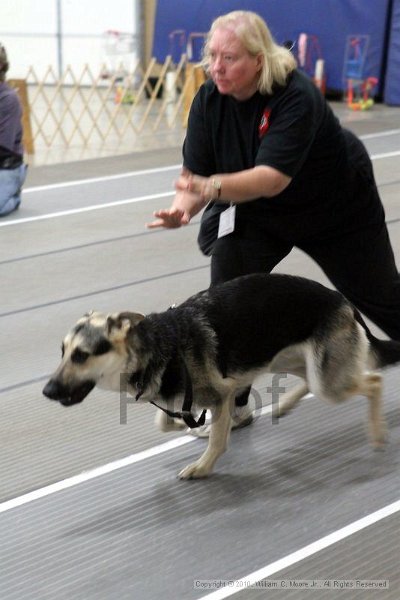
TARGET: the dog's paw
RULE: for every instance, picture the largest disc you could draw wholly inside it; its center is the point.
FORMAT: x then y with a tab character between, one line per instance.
379	443
194	471
379	437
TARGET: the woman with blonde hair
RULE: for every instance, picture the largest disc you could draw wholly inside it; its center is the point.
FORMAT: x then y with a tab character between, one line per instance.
252	31
269	161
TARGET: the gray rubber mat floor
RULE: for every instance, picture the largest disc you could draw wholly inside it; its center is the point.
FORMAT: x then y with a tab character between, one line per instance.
90	506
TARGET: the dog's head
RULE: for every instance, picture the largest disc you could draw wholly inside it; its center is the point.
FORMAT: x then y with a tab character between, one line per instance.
94	352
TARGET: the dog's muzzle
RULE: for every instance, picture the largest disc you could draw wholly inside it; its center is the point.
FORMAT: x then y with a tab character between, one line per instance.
65	395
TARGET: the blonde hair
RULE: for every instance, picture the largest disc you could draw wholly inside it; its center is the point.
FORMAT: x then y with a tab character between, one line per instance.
254	34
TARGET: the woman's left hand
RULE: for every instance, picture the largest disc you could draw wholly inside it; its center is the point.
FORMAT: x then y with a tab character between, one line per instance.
185	206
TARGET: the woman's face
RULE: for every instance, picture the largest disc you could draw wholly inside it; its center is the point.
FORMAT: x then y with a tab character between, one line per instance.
233	69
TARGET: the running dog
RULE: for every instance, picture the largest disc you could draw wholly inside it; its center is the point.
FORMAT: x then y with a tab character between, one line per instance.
213	346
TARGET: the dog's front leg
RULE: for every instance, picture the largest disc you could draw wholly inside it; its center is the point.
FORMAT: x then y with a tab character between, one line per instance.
221	422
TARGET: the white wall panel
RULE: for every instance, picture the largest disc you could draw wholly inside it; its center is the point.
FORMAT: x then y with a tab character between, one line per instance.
29	31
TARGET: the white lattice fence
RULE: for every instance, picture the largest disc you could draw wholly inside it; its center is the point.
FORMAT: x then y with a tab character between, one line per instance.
89	108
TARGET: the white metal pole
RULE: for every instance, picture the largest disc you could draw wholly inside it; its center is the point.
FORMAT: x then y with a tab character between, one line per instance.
59	38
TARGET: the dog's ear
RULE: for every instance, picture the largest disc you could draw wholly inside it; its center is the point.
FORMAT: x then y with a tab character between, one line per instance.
120	324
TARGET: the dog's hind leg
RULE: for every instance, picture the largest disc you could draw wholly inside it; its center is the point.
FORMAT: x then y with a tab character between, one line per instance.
371	387
289	400
221	423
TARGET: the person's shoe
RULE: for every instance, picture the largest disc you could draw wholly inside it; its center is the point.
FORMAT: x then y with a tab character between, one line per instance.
243	416
165	423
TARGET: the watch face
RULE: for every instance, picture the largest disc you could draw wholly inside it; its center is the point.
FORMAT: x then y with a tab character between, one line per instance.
216	184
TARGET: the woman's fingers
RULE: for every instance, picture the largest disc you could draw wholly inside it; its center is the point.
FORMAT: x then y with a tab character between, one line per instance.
169	218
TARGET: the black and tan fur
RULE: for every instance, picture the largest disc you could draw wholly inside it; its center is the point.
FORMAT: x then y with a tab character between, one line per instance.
223	338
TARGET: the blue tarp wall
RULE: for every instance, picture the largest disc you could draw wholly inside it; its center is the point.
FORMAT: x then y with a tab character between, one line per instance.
330	20
392	80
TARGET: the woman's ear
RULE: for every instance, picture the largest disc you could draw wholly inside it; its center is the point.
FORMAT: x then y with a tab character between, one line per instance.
260	61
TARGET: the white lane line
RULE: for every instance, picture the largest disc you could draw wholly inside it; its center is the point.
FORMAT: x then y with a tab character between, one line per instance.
104	469
75	211
299	555
385	155
239	584
98	472
65	184
370	136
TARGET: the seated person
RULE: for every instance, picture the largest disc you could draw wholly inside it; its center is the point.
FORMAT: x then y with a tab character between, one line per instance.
12	167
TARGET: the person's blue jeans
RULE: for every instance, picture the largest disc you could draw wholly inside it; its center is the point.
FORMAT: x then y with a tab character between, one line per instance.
11	182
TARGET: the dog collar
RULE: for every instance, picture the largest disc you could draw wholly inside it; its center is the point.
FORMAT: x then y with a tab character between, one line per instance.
186	413
186	416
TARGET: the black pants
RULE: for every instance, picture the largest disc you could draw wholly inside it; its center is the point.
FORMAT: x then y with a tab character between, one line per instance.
360	265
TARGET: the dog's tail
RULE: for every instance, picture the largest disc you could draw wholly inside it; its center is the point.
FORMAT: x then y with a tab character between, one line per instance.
383	352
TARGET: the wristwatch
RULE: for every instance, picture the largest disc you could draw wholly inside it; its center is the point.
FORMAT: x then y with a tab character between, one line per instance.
216	185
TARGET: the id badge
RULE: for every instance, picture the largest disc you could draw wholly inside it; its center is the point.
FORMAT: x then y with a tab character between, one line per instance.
227	221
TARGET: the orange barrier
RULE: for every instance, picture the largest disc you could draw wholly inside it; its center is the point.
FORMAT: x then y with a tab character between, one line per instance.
20	86
194	78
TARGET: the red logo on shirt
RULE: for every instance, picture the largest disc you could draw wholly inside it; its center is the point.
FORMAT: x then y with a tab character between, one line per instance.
264	123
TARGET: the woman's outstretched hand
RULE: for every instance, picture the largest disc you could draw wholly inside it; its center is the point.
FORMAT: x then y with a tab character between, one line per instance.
186	205
169	218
